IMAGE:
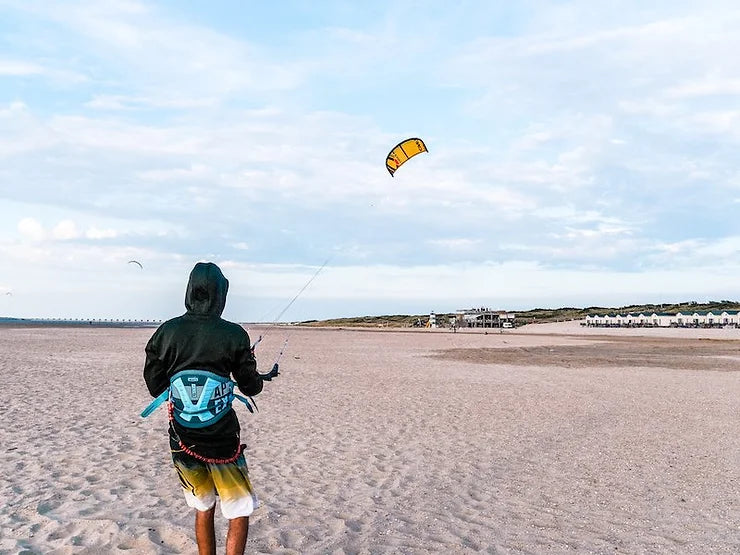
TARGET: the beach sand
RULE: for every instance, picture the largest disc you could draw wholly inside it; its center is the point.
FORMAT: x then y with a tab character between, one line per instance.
551	438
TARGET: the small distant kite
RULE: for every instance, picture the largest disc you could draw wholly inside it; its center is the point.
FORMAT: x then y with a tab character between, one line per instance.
9	293
136	262
404	150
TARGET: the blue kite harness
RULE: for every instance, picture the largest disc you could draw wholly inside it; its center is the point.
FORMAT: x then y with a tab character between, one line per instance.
199	398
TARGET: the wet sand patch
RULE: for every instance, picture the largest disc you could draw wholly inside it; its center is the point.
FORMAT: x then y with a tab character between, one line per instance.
610	352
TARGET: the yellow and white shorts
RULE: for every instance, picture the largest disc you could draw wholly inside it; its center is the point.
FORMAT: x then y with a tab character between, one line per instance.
202	482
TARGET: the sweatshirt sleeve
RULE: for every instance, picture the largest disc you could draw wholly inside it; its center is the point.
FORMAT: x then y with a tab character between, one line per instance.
155	374
245	368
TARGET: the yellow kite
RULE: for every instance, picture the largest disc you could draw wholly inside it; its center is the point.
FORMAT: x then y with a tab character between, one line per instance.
402	152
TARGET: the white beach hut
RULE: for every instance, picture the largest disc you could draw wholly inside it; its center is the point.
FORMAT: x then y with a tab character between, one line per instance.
730	318
682	319
713	318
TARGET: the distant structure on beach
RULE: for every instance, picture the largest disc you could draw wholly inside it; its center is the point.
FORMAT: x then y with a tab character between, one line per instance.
469	318
688	319
484	318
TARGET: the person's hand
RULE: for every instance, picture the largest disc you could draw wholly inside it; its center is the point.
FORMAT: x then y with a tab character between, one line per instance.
272	373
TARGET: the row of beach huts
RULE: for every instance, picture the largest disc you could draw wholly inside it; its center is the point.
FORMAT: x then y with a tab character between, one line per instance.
693	319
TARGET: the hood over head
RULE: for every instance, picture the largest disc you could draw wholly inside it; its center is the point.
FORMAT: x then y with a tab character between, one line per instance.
206	292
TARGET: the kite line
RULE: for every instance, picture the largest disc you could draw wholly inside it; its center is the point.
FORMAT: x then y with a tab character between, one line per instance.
285	309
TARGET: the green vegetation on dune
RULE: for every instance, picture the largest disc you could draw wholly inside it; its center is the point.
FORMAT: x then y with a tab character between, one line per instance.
537	315
390	321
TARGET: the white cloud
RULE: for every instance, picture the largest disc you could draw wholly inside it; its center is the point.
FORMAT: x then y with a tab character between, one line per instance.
532	140
19	68
31	229
164	52
27	68
591	233
717	121
195	171
65	230
123	102
705	87
27	254
23	131
455	244
13	109
116	134
698	252
97	233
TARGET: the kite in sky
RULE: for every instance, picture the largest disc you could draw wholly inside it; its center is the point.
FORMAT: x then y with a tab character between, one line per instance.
136	262
404	150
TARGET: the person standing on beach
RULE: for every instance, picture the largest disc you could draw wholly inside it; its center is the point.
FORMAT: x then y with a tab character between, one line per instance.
190	361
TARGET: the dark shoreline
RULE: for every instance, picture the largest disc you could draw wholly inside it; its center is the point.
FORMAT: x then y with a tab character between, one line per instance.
61	323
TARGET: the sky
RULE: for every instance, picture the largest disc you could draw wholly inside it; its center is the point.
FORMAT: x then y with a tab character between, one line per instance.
580	154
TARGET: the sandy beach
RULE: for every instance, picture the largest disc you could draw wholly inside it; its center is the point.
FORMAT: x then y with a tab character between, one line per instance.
551	438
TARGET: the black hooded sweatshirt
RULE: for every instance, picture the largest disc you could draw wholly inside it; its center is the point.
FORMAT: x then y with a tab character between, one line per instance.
201	339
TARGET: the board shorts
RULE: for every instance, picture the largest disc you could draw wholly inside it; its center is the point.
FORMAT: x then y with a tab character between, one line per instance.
202	482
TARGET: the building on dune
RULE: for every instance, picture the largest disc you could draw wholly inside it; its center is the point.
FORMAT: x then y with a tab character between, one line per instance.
484	318
683	319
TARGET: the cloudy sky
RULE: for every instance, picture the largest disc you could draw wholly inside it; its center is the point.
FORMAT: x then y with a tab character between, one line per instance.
579	155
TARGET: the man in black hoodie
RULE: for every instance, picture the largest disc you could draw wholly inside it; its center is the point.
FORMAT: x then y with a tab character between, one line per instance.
191	359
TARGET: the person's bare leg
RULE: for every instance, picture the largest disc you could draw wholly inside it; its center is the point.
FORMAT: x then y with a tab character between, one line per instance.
205	533
236	538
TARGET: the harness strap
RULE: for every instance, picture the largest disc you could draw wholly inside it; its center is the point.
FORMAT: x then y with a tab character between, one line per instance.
246	402
154	405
